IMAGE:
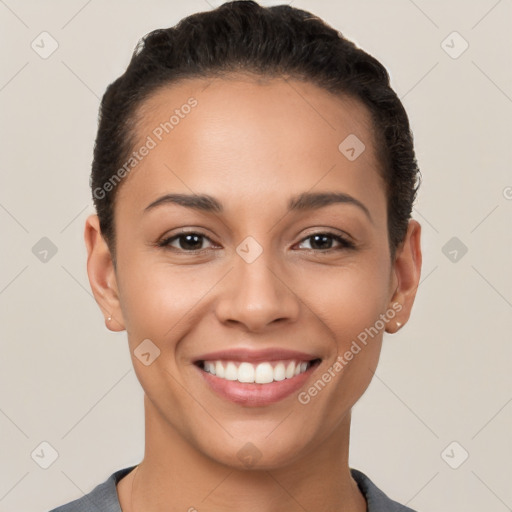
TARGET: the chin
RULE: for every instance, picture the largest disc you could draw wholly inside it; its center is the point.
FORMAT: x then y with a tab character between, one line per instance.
255	453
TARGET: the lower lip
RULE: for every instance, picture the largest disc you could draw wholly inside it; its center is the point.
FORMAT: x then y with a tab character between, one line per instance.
256	395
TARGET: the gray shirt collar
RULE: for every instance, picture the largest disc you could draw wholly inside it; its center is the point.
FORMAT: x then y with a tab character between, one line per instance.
104	498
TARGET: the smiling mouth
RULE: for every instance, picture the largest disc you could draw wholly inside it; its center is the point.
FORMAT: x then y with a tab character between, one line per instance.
264	372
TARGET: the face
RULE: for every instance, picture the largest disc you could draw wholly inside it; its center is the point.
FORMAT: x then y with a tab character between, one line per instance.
285	260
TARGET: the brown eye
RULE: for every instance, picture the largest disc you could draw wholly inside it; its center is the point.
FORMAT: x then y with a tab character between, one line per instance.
187	242
324	242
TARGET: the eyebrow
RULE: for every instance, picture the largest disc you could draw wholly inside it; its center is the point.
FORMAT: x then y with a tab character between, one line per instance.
301	202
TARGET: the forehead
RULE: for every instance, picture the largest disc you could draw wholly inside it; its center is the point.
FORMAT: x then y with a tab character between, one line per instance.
253	99
245	135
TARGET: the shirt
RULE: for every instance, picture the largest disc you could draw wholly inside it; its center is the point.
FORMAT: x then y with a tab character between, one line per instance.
104	498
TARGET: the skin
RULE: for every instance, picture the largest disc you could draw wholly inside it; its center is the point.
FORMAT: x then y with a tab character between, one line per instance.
251	144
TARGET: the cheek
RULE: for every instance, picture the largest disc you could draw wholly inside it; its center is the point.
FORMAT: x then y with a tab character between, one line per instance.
158	299
350	303
161	303
348	300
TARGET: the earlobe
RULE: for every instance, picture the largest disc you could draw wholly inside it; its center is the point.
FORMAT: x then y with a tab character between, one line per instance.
395	323
101	273
407	270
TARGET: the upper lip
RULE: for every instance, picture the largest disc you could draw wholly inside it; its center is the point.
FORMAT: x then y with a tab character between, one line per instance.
256	356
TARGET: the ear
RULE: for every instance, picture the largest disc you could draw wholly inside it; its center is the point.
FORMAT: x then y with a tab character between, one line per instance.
406	276
102	276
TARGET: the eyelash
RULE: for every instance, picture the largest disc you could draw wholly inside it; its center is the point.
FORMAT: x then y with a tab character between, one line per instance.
345	243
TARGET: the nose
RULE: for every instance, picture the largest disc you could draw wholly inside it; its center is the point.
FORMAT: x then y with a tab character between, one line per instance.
256	296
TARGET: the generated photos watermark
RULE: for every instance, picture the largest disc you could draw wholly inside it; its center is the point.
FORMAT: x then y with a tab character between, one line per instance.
304	397
152	140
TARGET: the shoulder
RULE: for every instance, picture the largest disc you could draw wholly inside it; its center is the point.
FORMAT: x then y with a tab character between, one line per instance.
103	498
377	500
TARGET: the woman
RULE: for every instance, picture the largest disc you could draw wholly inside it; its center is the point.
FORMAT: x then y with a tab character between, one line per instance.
253	177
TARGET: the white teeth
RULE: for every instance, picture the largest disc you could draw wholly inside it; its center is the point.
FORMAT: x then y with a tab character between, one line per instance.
262	373
279	372
290	370
246	372
209	367
231	372
219	370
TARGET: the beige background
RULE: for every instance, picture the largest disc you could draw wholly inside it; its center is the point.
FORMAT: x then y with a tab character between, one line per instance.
444	377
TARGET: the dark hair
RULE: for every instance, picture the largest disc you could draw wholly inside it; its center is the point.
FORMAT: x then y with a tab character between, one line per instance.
242	36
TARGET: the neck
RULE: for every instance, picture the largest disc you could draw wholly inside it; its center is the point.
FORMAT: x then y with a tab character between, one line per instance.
175	476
